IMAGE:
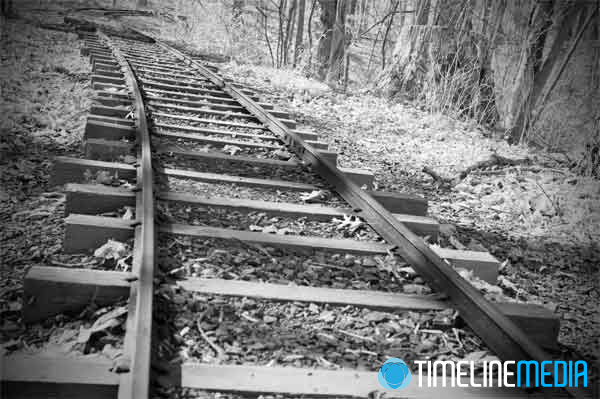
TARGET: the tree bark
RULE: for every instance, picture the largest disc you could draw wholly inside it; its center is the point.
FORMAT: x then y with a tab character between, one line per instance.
299	31
236	9
387	31
6	8
328	9
265	23
535	99
338	43
417	53
280	29
289	29
309	35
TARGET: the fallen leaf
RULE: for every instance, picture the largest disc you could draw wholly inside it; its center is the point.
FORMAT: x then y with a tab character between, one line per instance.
112	250
128	215
376	316
417	289
409	271
254	227
130	159
327	316
104	177
271	229
231	149
121	364
282	154
350	222
314	196
106	321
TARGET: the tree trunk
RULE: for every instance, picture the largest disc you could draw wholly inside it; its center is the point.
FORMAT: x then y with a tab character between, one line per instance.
6	8
387	31
418	52
236	9
280	29
299	31
338	43
265	23
328	9
526	67
309	34
573	18
289	29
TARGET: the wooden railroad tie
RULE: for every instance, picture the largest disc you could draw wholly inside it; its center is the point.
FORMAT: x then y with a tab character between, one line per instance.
91	378
67	170
44	289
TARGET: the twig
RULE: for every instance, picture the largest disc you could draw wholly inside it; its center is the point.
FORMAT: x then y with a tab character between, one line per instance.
249	318
257	247
220	352
457	337
554	206
348	333
325	265
436	177
361	351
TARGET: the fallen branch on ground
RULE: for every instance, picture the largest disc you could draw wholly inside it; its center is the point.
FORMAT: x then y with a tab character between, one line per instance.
220	352
493	160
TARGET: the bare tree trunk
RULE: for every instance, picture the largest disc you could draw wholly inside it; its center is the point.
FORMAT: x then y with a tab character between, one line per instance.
558	70
280	8
309	33
265	24
289	29
299	31
346	71
6	8
338	42
522	124
237	9
328	15
387	31
372	52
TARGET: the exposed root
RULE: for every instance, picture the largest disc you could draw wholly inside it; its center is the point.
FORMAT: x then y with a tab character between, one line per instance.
493	160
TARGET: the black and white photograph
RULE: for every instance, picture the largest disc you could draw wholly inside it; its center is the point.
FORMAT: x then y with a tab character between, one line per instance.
298	199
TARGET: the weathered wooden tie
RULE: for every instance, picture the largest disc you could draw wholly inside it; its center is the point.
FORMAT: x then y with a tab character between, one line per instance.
44	287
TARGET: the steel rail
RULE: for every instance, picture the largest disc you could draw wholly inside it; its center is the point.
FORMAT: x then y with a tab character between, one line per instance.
135	384
502	335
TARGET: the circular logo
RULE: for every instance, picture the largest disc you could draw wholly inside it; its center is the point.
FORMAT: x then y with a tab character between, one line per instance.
394	374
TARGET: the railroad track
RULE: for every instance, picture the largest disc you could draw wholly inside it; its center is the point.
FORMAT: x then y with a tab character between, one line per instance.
201	162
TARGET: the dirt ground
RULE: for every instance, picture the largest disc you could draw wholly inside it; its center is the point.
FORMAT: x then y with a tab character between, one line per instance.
45	100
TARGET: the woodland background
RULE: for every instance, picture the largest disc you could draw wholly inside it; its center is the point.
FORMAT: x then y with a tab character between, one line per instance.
527	69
